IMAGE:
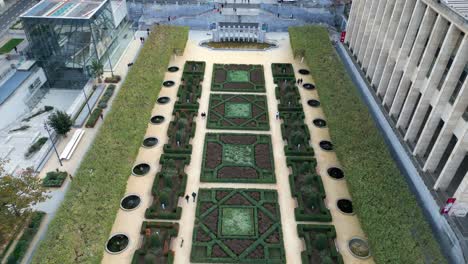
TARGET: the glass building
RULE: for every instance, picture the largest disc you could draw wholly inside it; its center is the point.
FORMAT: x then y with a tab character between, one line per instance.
65	37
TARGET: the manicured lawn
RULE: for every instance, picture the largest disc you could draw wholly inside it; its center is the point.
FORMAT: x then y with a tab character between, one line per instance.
10	45
237	226
82	224
388	211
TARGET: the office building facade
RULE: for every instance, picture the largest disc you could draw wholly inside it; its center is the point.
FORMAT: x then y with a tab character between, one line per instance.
414	55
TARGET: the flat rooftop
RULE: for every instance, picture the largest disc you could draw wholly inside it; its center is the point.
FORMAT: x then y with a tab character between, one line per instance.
83	9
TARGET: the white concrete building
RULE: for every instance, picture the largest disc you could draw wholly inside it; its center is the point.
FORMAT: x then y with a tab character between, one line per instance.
414	55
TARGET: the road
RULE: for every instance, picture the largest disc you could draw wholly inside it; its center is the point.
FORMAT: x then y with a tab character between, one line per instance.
9	16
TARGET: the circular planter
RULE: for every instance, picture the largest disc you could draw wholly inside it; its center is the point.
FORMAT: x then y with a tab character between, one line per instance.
141	169
345	206
168	83
130	202
335	173
150	142
320	122
117	243
304	71
308	86
359	248
313	103
173	69
163	100
157	119
326	145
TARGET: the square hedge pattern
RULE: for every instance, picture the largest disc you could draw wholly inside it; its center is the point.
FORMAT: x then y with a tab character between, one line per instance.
238	78
237	221
238	158
238	111
258	240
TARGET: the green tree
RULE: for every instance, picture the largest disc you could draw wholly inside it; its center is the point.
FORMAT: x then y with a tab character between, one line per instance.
18	194
61	122
97	70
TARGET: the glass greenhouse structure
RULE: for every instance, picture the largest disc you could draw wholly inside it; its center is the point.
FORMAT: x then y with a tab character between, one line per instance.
65	37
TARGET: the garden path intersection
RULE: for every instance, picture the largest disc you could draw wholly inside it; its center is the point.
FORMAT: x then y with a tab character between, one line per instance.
255	212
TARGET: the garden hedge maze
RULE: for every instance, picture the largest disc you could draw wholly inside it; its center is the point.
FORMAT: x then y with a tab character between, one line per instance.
170	182
238	111
156	243
306	186
237	226
238	158
320	244
190	90
238	78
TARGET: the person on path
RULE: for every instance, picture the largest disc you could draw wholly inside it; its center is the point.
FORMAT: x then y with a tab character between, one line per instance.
16	49
182	243
187	197
71	177
298	81
194	195
102	116
277	115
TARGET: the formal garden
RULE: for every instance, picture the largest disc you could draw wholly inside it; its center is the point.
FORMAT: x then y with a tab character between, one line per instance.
237	158
238	111
235	223
237	226
238	78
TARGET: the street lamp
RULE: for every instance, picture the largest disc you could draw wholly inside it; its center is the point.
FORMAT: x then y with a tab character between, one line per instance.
53	143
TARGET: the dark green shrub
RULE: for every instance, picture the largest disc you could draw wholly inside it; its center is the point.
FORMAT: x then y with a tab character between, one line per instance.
327	260
36	146
309	179
54	178
113	79
168	181
164	196
321	241
102	105
94	117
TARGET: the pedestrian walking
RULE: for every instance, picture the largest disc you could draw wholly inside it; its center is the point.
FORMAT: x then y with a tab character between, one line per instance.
277	15
148	31
16	49
102	116
187	197
71	177
182	243
169	18
298	80
277	115
194	195
302	80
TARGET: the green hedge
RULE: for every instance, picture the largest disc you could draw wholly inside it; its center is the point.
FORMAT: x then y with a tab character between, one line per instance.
25	240
35	147
82	224
388	211
94	117
54	178
166	231
303	168
313	254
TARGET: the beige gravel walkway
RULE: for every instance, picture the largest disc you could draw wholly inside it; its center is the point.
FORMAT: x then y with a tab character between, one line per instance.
130	222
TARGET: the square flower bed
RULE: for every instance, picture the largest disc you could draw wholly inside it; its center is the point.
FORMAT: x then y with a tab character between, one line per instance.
238	78
237	226
282	71
238	111
238	158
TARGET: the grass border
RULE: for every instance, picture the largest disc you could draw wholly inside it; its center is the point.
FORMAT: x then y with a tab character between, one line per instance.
387	209
82	224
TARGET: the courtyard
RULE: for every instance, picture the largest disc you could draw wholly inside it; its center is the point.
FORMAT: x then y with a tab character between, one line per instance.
255	180
255	177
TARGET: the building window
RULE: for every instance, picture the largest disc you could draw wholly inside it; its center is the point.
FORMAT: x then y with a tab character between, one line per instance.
459	85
